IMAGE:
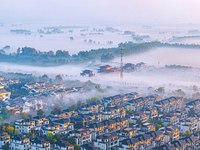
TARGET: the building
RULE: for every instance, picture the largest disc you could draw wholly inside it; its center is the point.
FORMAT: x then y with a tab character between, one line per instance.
89	146
169	104
19	142
190	124
82	136
4	95
40	144
87	73
107	69
193	106
97	129
4	139
63	145
107	141
24	125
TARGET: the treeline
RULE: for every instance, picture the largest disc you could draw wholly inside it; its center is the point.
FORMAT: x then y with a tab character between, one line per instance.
177	67
31	56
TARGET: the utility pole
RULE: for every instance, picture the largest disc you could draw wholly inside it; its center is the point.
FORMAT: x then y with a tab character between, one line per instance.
121	75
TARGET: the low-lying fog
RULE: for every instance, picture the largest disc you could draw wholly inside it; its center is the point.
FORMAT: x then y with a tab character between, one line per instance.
155	75
100	38
166	56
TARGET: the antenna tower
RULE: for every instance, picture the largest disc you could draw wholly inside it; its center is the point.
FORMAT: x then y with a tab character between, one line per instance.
121	75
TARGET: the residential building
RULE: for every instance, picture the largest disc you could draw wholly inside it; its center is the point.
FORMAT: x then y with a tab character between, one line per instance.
82	136
40	144
19	142
107	141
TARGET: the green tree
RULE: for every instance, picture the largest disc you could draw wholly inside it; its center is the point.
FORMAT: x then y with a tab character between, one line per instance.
57	137
4	110
187	133
76	147
150	120
158	126
30	116
18	51
24	115
130	110
58	77
21	109
34	60
6	146
45	77
107	57
40	112
139	121
71	140
49	136
131	124
31	134
126	108
10	130
1	118
79	104
159	122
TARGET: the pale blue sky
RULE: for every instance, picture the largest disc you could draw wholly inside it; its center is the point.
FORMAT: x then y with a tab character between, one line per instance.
100	11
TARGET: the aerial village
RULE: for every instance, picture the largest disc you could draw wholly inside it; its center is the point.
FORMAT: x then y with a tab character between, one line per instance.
118	122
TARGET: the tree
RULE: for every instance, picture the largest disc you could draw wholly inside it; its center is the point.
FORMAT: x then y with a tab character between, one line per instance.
79	104
130	110
187	133
18	51
131	124
158	126
150	120
24	115
139	121
4	110
71	140
108	104
159	122
58	77
1	118
126	108
45	77
6	146
107	57
161	89
76	147
31	134
54	140
57	137
21	109
40	112
30	116
34	60
49	136
50	80
10	130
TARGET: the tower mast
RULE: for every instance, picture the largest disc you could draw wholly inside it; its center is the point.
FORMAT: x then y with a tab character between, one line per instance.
121	74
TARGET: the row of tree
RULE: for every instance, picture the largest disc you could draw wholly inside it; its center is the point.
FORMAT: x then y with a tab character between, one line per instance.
33	56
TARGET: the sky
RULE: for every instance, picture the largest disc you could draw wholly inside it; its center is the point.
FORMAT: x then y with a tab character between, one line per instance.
100	11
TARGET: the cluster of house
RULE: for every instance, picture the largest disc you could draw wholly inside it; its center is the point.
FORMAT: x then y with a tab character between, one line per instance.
5	83
106	125
26	103
41	88
128	67
87	73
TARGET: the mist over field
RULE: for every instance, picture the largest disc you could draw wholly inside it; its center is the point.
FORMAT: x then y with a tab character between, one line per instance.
83	25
